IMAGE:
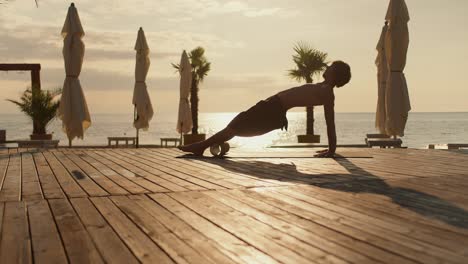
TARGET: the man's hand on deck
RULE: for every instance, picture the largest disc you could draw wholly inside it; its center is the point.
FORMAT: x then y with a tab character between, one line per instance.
324	154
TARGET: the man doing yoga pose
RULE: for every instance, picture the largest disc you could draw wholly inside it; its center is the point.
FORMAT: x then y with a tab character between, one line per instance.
270	114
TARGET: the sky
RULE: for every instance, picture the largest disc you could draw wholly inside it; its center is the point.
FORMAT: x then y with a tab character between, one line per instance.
249	43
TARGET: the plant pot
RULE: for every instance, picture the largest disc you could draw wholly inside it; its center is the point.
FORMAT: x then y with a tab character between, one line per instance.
193	138
41	137
2	136
308	138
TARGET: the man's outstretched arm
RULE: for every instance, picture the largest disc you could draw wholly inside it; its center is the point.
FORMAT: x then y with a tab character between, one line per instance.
331	131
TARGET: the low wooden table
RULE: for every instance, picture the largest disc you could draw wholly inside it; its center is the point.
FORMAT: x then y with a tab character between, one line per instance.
129	141
176	141
448	146
384	142
37	143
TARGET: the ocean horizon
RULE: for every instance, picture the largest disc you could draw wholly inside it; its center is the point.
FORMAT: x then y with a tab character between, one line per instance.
423	128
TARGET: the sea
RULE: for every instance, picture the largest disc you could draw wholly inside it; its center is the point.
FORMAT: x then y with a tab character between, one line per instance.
422	128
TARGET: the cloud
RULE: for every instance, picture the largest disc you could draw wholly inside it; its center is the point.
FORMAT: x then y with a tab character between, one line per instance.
181	9
106	50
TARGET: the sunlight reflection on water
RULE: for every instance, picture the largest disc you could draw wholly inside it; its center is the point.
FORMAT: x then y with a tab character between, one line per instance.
422	128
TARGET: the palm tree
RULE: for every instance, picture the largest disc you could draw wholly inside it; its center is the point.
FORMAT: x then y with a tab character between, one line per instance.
309	62
40	106
200	69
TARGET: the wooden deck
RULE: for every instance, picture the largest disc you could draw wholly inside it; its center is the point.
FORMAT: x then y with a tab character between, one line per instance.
277	206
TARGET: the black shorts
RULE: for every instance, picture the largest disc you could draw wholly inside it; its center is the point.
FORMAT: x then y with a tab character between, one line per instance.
265	116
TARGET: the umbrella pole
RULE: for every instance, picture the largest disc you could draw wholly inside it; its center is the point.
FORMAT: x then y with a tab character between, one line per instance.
69	143
181	126
137	138
137	131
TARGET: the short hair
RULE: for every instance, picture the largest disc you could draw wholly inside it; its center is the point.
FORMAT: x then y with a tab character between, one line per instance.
342	73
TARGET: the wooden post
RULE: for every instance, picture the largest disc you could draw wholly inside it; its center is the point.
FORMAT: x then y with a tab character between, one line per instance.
36	79
35	86
138	138
35	76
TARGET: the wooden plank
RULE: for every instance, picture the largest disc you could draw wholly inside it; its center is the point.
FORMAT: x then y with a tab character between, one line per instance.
112	249
322	231
4	161
176	248
13	151
188	181
237	172
31	188
149	181
122	181
20	67
105	183
15	243
91	188
182	168
386	210
2	210
146	180
232	245
49	185
279	245
381	237
241	179
46	244
11	189
78	245
142	246
304	234
167	181
66	181
197	240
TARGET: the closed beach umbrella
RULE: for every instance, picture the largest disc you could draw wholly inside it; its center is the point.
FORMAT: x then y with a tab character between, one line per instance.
184	121
141	99
382	72
73	109
397	100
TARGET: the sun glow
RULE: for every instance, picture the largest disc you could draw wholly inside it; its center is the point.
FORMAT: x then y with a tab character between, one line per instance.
218	121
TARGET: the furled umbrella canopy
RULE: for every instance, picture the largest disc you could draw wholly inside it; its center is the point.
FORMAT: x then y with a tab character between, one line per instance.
73	109
382	72
141	99
397	102
184	121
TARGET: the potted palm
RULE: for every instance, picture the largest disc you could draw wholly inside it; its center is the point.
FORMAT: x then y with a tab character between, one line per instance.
309	62
200	69
41	107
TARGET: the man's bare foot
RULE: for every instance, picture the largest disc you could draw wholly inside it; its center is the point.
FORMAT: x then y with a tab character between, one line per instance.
196	149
